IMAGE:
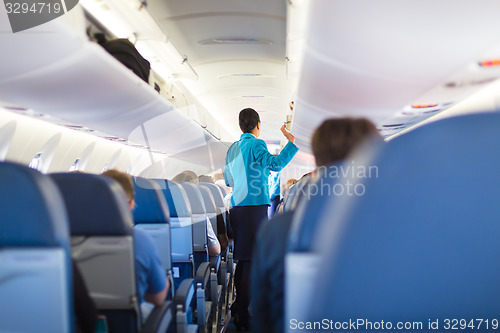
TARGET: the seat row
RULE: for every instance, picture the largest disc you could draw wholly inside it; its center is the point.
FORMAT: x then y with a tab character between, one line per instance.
414	241
48	221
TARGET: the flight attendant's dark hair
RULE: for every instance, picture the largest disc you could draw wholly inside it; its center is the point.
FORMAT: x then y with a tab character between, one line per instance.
249	118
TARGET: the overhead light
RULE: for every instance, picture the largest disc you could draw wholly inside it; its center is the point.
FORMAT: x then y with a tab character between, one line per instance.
424	106
418	109
16	108
489	63
288	122
253	96
79	128
461	84
392	125
219	41
114	138
247	75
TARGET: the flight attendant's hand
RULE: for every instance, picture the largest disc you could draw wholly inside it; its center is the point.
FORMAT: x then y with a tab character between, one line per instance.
287	134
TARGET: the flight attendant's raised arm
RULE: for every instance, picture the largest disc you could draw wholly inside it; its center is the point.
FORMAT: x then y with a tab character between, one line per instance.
287	134
276	163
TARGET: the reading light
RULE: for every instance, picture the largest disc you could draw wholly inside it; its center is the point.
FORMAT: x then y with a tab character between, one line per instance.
246	75
424	106
489	63
218	41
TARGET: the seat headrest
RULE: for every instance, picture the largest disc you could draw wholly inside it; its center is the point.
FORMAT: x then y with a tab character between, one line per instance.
294	194
195	197
33	212
223	190
313	195
96	205
151	206
177	200
216	193
208	199
418	236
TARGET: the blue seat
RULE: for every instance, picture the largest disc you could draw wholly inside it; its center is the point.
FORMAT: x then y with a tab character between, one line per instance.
181	228
295	193
421	240
308	210
301	263
199	216
103	248
222	189
35	274
187	282
152	215
227	255
210	207
218	197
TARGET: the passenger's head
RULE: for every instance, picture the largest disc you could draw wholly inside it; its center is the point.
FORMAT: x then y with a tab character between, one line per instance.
219	175
249	121
125	181
187	176
289	184
334	139
205	179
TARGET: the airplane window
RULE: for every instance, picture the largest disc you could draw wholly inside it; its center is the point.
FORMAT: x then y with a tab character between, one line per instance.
75	165
36	162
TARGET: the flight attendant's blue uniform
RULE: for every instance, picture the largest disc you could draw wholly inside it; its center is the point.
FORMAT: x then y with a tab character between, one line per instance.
247	169
248	164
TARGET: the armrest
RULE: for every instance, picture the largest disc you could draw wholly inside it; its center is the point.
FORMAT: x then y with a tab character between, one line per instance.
203	274
215	262
185	293
160	319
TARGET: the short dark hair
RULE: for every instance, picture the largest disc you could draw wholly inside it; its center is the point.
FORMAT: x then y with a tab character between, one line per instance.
335	138
249	118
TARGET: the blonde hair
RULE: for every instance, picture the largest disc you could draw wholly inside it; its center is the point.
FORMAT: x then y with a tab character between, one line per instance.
124	180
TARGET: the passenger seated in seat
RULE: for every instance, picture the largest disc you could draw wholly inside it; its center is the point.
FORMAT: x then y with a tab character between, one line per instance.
151	277
213	241
187	176
332	141
206	179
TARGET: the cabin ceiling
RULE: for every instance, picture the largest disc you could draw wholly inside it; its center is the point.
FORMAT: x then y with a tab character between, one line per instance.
399	63
395	62
238	50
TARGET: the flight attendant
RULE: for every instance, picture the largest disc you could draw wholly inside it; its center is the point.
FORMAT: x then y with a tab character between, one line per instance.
247	168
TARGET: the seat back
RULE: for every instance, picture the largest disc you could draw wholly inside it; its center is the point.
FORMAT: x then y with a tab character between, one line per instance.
180	220
218	197
102	244
222	189
301	263
210	206
152	215
35	274
199	215
181	228
309	209
419	240
294	195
